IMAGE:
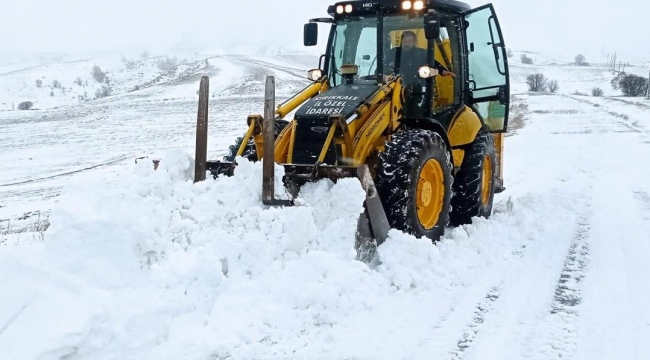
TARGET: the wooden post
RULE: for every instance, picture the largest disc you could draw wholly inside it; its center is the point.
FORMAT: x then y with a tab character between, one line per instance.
268	161
200	157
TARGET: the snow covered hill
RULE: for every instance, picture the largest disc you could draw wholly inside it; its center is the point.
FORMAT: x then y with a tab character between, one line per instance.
62	81
143	264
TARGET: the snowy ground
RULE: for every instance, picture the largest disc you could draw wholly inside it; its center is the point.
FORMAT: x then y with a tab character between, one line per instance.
138	264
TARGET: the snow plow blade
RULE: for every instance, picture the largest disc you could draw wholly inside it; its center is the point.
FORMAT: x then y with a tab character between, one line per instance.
373	226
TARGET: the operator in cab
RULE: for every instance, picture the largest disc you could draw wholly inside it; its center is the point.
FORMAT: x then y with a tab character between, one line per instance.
411	58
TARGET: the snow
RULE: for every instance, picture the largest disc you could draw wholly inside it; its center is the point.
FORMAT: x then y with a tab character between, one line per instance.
144	264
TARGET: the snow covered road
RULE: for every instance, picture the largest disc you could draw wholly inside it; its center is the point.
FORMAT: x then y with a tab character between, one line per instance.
146	265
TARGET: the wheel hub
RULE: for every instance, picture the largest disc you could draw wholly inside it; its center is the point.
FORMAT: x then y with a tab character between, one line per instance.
425	196
430	193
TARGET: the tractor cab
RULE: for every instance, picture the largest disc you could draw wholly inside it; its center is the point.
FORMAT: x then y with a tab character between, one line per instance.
366	48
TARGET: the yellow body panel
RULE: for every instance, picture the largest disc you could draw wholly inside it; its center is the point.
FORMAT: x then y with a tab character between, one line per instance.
365	140
283	143
464	127
498	146
458	155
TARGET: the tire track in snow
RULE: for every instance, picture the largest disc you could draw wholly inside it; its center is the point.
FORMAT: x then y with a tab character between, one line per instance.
474	327
557	337
644	198
632	127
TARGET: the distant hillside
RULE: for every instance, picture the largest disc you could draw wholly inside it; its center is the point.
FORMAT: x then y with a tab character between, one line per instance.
64	82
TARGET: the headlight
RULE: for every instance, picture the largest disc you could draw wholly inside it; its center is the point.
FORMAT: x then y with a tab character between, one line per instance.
314	74
407	5
339	9
348	8
418	5
426	72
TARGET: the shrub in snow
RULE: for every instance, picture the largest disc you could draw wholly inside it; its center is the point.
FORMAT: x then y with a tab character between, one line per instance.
526	60
616	79
166	64
598	92
103	92
79	81
581	60
39	83
98	74
51	93
25	105
553	86
632	85
536	82
56	84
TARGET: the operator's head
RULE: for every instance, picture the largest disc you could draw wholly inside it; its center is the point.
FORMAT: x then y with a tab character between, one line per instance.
408	40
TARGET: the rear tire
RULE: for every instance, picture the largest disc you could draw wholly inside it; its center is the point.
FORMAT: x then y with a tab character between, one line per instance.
474	184
414	182
250	151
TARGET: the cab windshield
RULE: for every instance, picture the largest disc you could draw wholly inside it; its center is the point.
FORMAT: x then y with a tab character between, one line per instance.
355	42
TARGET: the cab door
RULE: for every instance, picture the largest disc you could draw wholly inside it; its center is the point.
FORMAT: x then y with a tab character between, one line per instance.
488	84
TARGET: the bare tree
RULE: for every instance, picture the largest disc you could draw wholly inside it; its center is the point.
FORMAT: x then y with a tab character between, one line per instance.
98	74
553	86
581	60
56	84
526	60
39	83
536	82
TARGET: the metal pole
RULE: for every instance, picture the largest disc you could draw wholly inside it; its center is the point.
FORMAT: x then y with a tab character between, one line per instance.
380	45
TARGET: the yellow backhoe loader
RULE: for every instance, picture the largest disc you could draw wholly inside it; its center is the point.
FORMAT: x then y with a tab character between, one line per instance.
427	148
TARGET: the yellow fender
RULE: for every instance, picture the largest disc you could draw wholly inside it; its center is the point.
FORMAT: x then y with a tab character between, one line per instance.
463	130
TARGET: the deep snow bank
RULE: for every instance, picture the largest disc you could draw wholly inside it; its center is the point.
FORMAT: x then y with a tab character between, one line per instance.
136	269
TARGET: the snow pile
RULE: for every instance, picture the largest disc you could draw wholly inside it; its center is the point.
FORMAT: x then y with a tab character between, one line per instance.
152	266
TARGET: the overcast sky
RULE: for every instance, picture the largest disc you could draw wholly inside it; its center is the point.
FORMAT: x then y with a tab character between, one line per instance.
121	26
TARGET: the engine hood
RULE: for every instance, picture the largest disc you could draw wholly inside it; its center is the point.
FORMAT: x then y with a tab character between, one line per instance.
343	99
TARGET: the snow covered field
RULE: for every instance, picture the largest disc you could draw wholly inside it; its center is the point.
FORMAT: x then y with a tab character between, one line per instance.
138	264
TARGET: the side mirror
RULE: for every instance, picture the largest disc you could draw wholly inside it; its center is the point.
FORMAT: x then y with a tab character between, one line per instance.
311	34
432	26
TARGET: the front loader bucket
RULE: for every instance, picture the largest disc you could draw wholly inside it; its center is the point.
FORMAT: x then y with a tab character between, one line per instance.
372	227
